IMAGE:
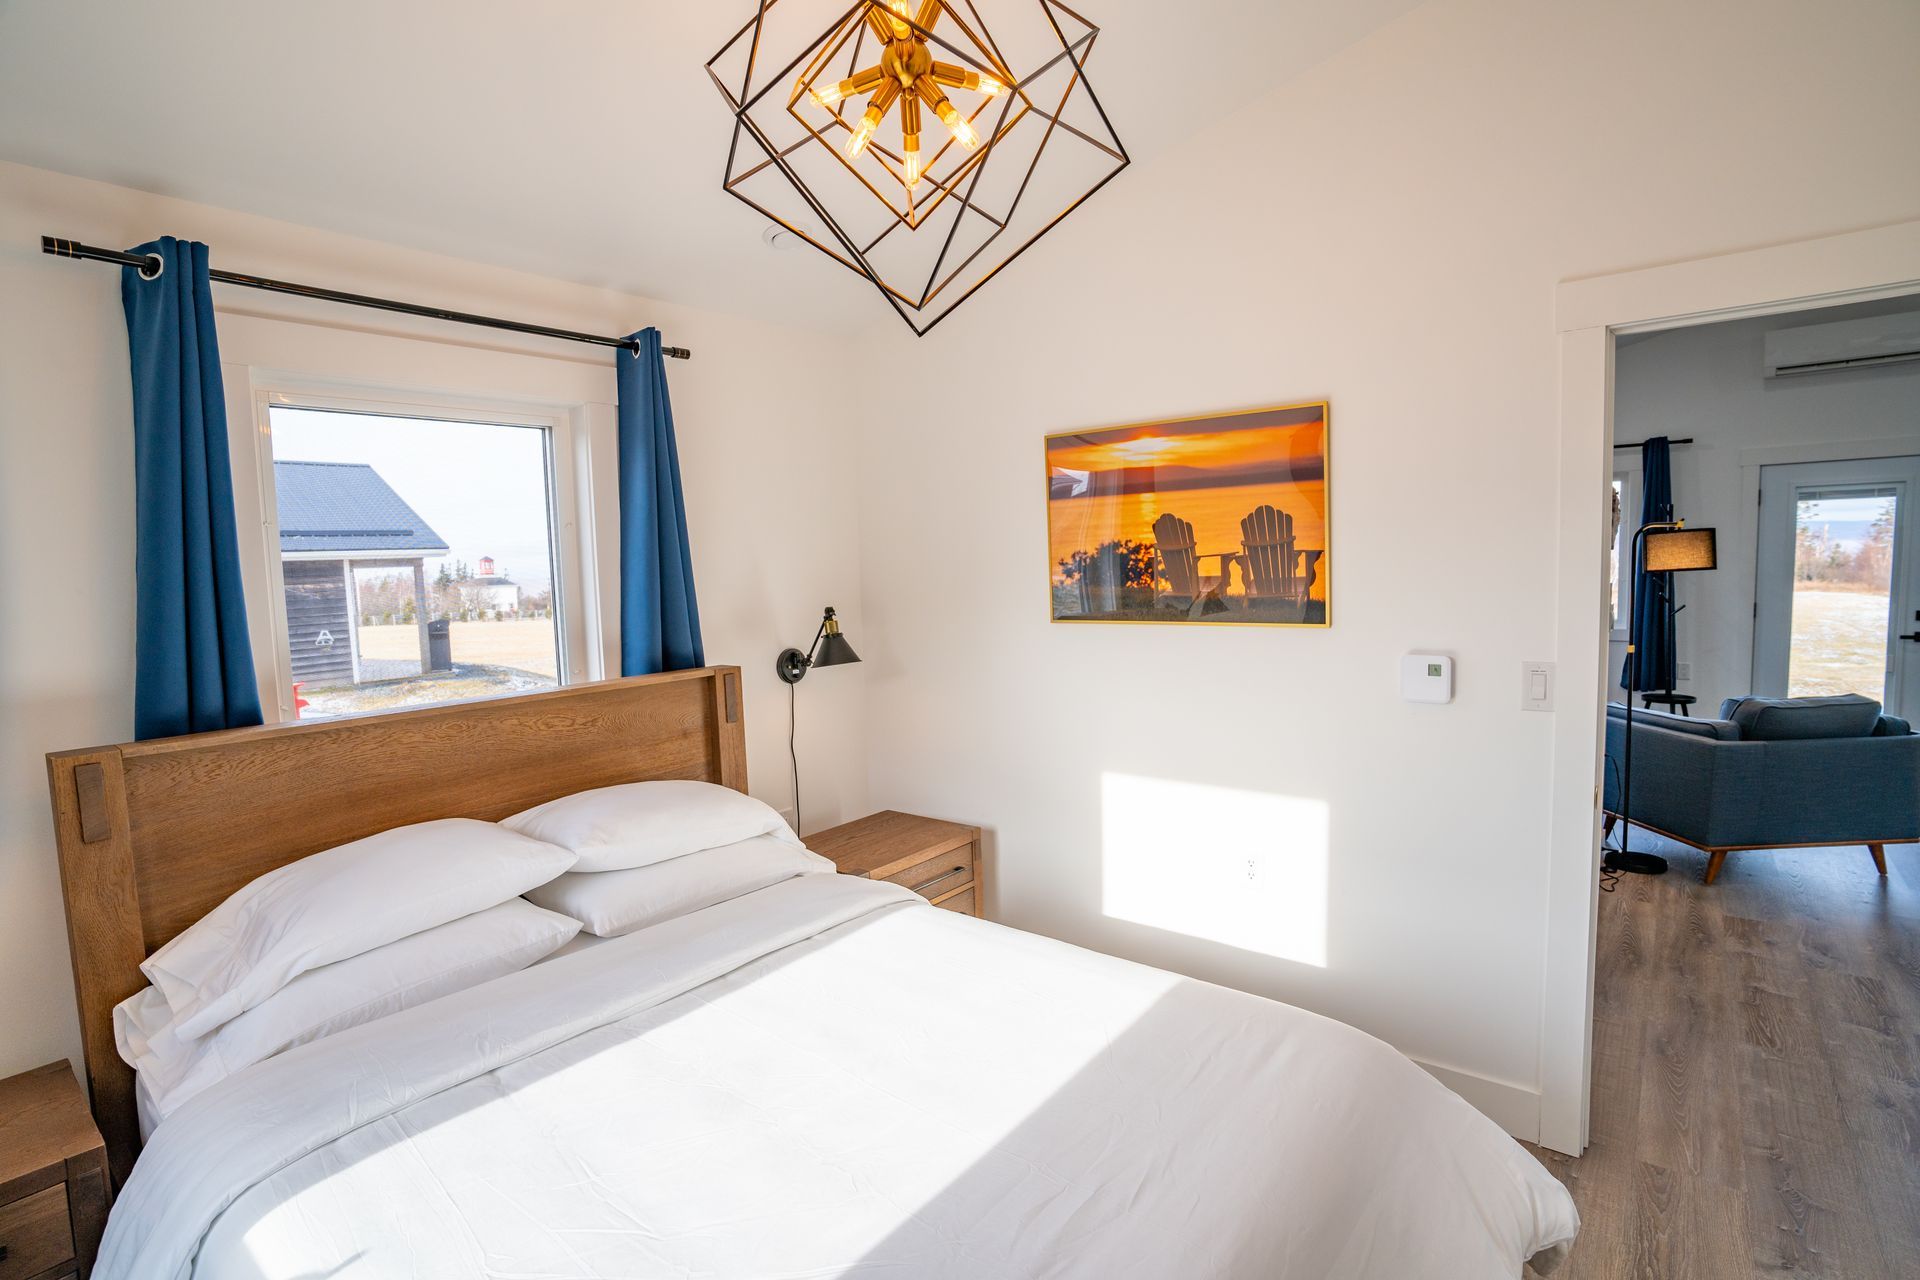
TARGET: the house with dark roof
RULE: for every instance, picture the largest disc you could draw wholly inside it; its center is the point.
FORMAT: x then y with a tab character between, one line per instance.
336	517
496	591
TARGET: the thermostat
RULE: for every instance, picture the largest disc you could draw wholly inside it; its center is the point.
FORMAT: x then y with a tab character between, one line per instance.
1426	677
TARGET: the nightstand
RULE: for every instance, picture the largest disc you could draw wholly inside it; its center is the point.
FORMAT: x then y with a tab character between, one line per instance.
938	860
53	1177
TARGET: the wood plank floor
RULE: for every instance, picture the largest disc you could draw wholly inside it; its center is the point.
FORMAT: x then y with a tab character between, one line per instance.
1756	1105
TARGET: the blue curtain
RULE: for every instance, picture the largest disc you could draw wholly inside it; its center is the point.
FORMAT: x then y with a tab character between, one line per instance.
193	664
1651	665
659	621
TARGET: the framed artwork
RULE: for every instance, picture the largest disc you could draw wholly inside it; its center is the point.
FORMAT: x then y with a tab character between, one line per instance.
1218	519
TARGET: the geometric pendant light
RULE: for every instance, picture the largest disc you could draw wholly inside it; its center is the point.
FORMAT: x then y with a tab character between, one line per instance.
912	144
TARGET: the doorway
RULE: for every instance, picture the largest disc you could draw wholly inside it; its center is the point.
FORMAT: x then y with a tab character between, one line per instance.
1590	315
1836	607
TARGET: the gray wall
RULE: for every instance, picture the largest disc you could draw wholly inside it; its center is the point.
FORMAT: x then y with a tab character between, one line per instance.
316	602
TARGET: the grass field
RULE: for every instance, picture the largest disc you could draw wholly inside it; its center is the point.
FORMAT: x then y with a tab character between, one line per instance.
1839	643
489	659
525	645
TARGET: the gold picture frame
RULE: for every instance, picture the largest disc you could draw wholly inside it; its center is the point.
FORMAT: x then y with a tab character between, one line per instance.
1137	514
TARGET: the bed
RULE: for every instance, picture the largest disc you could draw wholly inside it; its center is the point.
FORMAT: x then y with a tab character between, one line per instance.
823	1077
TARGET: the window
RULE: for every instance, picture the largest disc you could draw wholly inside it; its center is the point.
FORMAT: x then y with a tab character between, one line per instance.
418	559
1622	534
1843	541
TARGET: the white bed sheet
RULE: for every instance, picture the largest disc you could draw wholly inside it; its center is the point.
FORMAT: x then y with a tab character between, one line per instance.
827	1078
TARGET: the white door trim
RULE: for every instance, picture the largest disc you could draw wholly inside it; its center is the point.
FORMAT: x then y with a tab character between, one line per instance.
1883	262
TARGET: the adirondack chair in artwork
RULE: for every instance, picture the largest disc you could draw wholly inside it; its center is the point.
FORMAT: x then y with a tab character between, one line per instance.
1268	562
1179	559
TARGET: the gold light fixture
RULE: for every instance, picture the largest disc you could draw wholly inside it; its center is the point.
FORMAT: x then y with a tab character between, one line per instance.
907	75
849	160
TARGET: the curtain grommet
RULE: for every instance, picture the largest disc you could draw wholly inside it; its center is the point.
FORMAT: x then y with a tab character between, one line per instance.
157	262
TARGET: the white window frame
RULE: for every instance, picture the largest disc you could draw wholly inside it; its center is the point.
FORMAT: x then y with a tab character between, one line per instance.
270	362
1628	478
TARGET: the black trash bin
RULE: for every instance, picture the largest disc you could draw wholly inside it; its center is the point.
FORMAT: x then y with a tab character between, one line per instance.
439	645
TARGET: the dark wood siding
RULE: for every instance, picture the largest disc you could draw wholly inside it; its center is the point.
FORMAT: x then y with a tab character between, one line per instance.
317	602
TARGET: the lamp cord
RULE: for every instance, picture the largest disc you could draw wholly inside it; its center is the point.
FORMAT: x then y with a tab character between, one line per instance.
793	723
1609	879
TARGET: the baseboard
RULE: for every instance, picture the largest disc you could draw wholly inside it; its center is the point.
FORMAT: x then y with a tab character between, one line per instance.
1514	1107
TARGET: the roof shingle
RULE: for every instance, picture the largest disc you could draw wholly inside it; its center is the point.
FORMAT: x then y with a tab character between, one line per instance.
346	507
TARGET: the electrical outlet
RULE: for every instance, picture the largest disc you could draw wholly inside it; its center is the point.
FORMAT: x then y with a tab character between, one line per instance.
1683	670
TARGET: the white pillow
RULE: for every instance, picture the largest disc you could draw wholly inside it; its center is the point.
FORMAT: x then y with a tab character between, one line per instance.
450	957
636	824
339	903
610	903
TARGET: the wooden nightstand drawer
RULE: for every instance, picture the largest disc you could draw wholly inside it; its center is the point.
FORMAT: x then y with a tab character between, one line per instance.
35	1233
937	859
961	900
942	873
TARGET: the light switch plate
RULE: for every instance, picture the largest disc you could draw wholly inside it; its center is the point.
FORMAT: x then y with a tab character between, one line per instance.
1536	686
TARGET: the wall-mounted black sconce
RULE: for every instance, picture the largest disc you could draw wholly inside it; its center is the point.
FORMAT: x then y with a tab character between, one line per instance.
830	649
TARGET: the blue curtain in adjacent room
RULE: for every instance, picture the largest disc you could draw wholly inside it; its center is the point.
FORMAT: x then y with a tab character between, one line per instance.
193	663
659	621
1651	665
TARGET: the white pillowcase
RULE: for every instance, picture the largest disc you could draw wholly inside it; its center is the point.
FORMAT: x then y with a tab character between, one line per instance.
610	903
450	957
637	824
339	903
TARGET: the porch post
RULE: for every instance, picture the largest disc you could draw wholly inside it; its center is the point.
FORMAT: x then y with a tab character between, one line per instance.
420	612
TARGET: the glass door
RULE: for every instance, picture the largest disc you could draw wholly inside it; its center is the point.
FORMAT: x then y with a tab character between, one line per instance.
1836	608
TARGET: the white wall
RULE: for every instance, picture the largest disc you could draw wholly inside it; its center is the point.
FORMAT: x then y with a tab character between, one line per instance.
1386	232
1707	383
763	460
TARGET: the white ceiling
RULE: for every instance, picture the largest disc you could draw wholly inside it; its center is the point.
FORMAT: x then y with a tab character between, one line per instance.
579	140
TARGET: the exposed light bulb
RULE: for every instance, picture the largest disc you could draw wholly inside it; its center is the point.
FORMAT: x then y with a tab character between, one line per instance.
912	154
959	126
991	87
828	95
862	135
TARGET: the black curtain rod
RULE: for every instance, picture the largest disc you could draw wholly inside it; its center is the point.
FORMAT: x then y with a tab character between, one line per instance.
149	265
1635	444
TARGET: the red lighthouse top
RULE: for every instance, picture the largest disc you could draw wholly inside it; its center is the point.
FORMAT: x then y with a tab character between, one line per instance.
486	566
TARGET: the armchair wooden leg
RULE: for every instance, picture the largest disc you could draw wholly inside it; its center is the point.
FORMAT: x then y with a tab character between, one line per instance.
1879	852
1715	859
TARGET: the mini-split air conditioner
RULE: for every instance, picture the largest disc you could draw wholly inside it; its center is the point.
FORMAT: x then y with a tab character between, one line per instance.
1846	344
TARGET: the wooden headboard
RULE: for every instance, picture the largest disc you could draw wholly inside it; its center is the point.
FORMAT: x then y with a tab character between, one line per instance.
153	835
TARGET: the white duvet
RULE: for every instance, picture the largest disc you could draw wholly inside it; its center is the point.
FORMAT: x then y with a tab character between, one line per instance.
829	1078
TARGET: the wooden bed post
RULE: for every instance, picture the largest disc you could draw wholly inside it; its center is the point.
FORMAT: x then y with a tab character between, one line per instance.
92	833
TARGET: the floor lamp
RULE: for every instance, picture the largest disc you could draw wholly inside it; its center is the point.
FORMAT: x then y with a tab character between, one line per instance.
1660	547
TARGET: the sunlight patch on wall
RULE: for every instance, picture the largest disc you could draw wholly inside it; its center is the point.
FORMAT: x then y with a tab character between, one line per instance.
1243	868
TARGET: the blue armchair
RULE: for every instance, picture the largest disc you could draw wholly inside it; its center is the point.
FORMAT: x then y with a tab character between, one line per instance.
1770	773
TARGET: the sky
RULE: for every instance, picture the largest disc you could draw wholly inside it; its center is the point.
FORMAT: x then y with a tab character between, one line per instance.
1179	456
1847	521
482	487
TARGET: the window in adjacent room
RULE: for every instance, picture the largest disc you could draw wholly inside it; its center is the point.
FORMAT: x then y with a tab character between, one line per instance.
1622	536
417	560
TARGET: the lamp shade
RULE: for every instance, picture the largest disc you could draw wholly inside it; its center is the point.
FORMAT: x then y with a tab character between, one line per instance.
1676	550
834	650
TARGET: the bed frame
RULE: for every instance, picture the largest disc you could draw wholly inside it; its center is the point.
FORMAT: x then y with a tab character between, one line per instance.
153	835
